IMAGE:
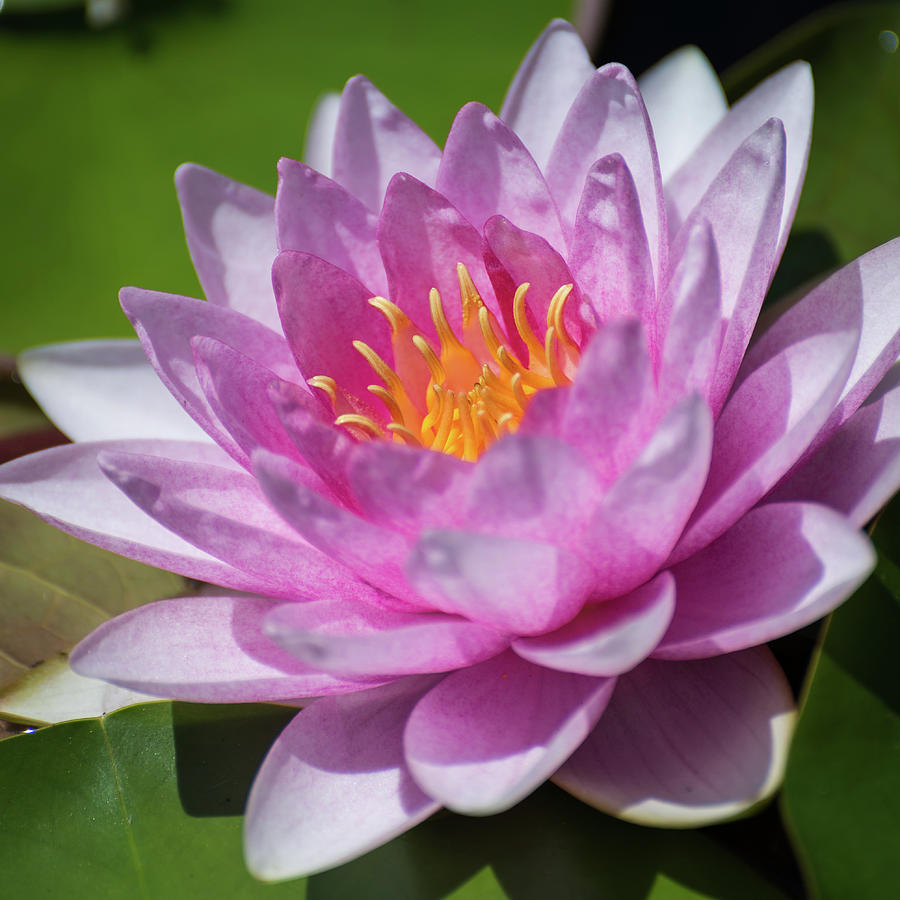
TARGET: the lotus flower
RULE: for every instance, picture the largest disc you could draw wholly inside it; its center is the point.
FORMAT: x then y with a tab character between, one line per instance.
503	472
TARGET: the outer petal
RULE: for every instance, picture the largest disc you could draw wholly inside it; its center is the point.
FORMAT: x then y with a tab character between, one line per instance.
610	256
223	512
608	116
684	101
687	744
422	238
607	638
335	784
316	215
642	516
104	390
204	650
779	568
544	87
319	145
64	486
486	171
519	586
373	140
230	232
488	735
857	470
354	639
166	324
323	310
788	96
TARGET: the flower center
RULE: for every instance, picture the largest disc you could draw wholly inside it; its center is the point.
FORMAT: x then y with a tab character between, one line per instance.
462	397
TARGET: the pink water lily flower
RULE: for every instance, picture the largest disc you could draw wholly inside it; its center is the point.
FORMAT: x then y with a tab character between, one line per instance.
503	472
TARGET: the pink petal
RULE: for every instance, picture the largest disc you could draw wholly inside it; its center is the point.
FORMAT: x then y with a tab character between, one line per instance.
103	391
782	566
692	306
230	231
743	207
166	323
316	299
527	257
684	101
373	140
407	489
316	215
64	486
642	516
544	87
488	735
857	470
223	512
202	650
788	96
318	148
610	411
610	257
354	639
520	586
422	238
608	116
769	421
374	554
608	638
684	744
486	171
532	487
237	390
335	785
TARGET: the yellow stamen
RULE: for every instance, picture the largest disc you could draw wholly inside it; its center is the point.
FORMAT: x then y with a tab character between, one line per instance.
327	384
407	436
363	422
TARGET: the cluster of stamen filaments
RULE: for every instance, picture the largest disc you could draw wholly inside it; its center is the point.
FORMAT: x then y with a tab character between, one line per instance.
474	389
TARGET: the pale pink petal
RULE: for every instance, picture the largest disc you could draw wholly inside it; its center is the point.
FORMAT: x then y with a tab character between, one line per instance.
335	784
690	319
519	586
610	411
230	232
488	735
610	257
608	116
684	744
532	487
103	391
316	215
166	324
486	171
544	87
237	390
684	101
323	311
857	470
373	141
780	567
64	486
224	513
405	488
203	650
374	554
422	238
642	516
788	96
608	638
318	148
742	207
768	423
359	639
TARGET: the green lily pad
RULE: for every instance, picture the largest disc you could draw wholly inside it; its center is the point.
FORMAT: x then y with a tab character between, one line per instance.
147	803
